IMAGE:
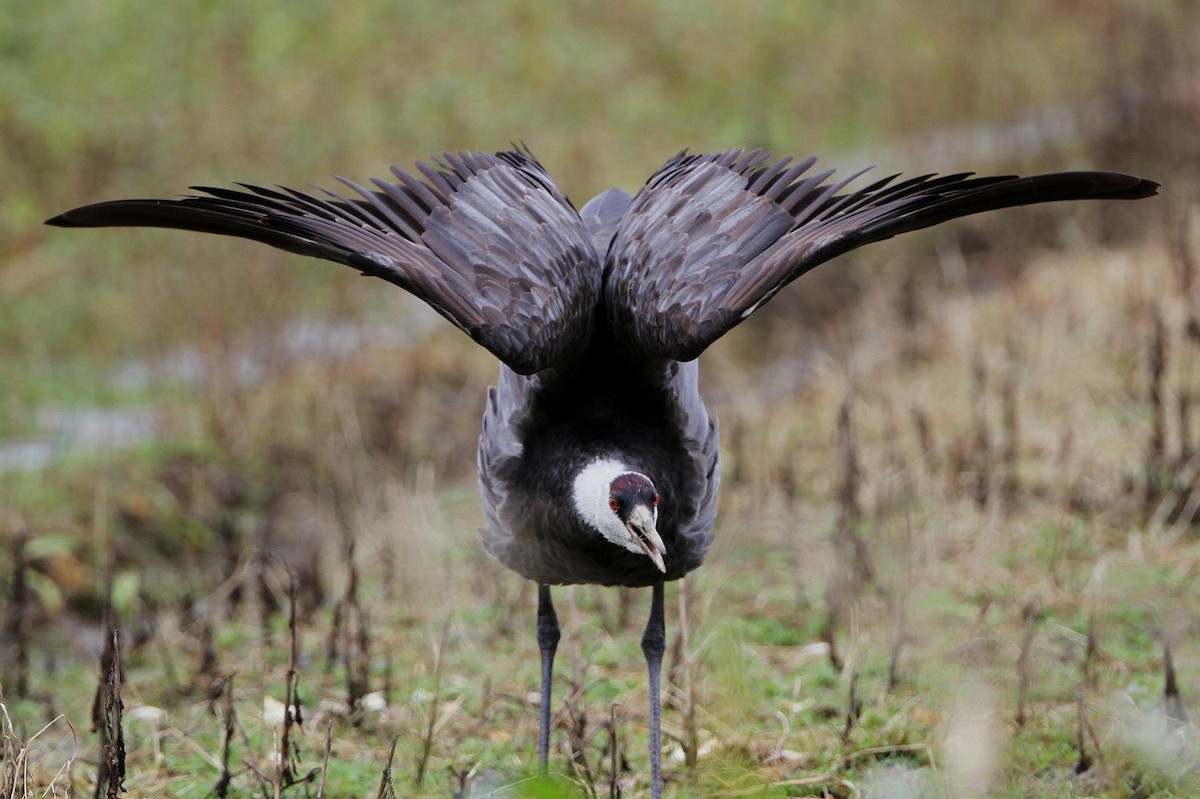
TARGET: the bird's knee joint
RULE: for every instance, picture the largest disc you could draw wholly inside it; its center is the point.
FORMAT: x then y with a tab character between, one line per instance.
548	638
653	646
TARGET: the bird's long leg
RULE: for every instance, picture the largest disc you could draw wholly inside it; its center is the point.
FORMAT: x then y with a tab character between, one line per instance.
547	635
654	643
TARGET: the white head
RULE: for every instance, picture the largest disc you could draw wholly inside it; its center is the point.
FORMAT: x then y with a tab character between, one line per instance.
622	505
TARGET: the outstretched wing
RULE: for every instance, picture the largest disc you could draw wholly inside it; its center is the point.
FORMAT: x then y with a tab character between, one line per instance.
487	240
710	238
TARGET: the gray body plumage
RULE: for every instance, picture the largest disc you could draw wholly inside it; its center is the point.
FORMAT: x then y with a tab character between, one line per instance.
596	316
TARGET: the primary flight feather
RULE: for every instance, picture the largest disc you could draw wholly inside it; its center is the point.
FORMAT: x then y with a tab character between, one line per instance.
598	462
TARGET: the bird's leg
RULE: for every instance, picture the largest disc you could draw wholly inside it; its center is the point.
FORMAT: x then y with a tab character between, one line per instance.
547	635
654	643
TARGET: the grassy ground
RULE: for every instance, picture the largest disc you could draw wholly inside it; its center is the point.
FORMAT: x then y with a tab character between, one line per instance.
1064	558
1021	526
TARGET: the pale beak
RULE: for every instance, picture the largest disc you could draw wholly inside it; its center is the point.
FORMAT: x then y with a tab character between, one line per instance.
641	524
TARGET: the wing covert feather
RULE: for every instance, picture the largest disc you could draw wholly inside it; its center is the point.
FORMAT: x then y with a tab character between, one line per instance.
710	238
486	240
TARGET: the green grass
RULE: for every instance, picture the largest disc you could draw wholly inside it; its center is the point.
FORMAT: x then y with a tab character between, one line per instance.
767	713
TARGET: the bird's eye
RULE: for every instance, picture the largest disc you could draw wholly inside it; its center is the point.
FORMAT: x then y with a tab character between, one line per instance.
654	501
612	502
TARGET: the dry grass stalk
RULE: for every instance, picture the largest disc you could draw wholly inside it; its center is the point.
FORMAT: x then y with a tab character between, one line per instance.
982	460
20	614
387	786
828	634
1180	240
1192	329
288	754
687	674
853	703
853	556
1087	683
358	667
614	784
1186	448
389	668
910	310
577	741
901	635
107	708
924	430
349	635
1172	700
852	566
893	663
673	679
485	698
849	508
166	656
387	569
1090	654
574	641
14	760
1156	478
325	760
207	678
509	597
1085	761
228	720
12	756
334	638
462	780
231	548
786	478
1030	615
899	477
427	739
575	705
254	609
1010	485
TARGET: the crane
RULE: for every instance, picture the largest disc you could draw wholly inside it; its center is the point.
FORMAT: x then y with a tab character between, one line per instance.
598	461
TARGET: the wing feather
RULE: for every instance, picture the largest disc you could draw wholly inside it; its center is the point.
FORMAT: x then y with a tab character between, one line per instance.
710	238
487	240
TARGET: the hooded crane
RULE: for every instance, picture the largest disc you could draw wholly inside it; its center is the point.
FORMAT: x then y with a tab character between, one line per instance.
598	461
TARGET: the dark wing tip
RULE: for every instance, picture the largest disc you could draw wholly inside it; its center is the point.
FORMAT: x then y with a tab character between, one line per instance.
1109	185
64	219
84	216
1079	186
1140	187
111	213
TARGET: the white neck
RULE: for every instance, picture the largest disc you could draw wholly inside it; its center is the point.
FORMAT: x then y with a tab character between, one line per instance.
592	488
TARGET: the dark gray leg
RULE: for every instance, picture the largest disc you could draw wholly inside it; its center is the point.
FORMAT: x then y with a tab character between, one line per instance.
654	643
547	635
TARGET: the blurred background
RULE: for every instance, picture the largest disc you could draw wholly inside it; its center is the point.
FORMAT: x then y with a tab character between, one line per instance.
171	402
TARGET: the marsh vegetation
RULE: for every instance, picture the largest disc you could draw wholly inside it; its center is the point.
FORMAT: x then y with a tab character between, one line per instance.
957	552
